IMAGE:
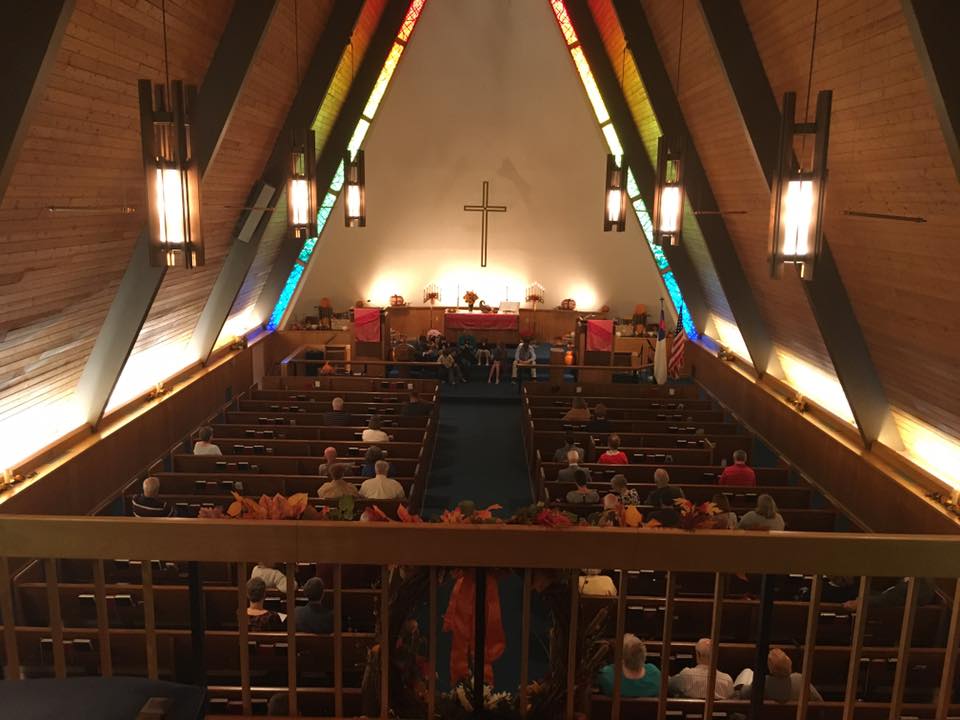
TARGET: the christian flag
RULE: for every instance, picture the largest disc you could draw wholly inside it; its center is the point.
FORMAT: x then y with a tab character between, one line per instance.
675	363
660	354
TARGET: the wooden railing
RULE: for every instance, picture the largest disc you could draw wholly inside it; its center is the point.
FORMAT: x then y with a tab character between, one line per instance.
524	549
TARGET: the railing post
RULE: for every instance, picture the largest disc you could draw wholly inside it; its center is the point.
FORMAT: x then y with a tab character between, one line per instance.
665	646
525	642
103	621
198	623
291	568
719	584
809	645
12	671
432	649
384	642
853	671
149	618
949	657
572	646
763	647
243	635
337	639
903	650
618	647
479	637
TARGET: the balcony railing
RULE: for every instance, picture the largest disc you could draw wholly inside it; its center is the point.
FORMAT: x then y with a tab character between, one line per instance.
56	543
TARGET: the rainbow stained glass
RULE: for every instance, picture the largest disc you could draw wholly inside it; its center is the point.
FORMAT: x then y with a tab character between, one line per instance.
633	190
380	88
286	296
307	249
323	214
413	14
678	302
359	133
644	219
337	183
590	85
613	140
566	26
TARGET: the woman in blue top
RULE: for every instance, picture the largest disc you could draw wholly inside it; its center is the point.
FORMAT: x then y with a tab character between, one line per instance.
640	678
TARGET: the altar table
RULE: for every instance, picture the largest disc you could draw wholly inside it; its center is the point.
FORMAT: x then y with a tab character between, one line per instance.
481	322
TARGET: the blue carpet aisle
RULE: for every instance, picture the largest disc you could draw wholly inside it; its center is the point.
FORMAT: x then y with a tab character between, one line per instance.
479	457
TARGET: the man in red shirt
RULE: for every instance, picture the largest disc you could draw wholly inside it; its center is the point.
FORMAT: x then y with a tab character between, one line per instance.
739	474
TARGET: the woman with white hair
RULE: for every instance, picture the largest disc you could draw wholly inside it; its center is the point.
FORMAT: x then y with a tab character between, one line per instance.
764	517
639	678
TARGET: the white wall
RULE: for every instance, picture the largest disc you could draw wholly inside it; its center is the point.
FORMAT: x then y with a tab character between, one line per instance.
485	91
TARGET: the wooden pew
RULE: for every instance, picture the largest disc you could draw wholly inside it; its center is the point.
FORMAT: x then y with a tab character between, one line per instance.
310	432
683	390
686	417
335	382
740	498
313	448
270	464
709	429
679	474
315	408
325	396
237	417
189	505
202	484
618	401
547	441
804	519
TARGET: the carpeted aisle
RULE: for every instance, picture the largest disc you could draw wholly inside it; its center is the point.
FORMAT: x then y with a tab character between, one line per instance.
479	457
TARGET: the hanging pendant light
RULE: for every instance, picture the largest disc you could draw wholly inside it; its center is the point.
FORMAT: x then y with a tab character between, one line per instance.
668	194
798	192
615	195
302	186
172	173
355	190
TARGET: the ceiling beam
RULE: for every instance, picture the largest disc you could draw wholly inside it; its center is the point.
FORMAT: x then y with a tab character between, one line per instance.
218	95
266	194
933	27
635	153
30	38
723	254
333	149
826	293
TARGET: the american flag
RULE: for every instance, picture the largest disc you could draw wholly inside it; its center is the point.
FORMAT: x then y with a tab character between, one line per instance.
675	363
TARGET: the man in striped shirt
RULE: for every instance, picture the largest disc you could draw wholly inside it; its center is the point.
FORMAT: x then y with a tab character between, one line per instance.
692	682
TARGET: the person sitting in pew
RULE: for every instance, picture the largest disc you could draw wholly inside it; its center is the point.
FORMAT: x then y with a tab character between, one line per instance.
337	487
781	685
763	517
596	584
204	446
147	504
375	433
573	465
370	458
896	595
578	412
726	518
569	443
454	373
692	682
313	617
665	512
259	618
639	678
613	455
273	579
337	416
739	474
582	495
329	460
599	424
664	493
625	495
381	487
415	407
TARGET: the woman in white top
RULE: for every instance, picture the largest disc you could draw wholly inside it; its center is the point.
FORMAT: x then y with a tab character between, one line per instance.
764	517
374	434
203	446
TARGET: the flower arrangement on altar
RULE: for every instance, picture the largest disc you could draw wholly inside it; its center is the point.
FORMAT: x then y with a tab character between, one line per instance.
470	298
568	304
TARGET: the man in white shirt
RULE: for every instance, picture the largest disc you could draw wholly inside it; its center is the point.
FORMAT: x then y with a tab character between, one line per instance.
692	682
526	356
380	487
272	577
203	446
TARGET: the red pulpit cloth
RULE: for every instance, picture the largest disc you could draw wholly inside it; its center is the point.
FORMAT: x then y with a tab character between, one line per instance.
600	335
481	321
366	324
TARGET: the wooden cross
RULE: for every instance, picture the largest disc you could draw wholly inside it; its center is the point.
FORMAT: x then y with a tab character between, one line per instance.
485	207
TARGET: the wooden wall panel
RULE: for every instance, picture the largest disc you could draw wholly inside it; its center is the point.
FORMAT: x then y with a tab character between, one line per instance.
887	155
249	139
711	114
61	270
635	93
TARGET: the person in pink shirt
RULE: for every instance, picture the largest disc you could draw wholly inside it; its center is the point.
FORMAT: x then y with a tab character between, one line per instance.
614	455
739	474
